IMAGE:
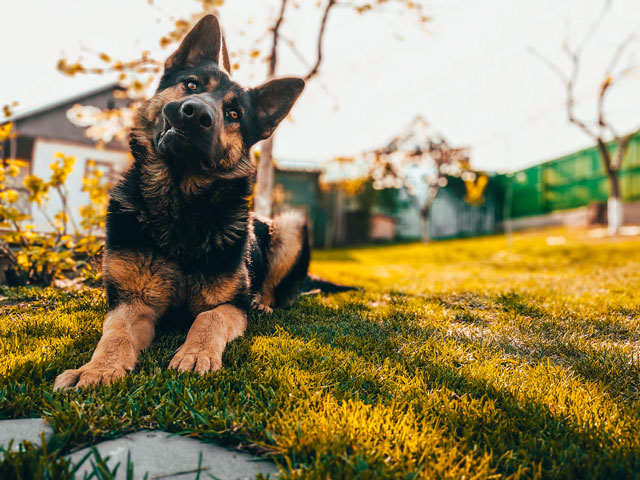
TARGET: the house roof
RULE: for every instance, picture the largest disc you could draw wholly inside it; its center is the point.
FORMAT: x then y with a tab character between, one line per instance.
51	105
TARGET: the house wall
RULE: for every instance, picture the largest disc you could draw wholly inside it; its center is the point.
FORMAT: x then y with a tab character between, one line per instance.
451	216
302	193
43	155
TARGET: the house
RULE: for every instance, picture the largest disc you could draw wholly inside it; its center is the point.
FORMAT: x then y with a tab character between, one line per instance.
435	179
452	215
41	132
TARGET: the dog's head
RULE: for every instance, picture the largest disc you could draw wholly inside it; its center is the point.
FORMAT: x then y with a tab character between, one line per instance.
201	121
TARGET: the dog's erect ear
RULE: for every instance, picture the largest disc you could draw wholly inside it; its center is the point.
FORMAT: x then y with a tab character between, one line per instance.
224	56
203	42
273	100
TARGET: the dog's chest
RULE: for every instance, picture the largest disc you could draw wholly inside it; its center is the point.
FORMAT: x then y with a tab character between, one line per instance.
202	294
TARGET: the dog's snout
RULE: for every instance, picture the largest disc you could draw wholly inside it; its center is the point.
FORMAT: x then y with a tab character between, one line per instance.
190	124
196	114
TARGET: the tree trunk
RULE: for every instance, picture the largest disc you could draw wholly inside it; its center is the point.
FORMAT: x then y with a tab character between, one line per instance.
265	174
424	213
424	229
614	203
265	179
424	223
265	165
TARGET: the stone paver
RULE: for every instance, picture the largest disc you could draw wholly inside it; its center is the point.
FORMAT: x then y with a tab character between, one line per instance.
166	456
23	429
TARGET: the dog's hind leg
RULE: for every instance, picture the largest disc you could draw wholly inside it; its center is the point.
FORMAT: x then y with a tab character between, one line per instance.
287	260
207	338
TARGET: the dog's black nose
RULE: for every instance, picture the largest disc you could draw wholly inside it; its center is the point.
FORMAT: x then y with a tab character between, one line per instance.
196	114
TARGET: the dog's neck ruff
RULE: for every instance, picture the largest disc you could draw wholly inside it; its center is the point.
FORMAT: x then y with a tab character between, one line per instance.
195	226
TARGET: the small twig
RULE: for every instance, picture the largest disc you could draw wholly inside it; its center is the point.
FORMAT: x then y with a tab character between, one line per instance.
552	66
609	80
273	59
296	52
47	217
619	51
314	71
593	28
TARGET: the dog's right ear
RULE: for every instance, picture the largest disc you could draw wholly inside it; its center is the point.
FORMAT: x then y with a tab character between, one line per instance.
272	101
203	42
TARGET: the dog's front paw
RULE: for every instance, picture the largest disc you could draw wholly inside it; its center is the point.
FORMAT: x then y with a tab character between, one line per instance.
201	362
88	375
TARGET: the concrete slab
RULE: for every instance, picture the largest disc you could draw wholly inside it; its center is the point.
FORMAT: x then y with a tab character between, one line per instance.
23	429
162	455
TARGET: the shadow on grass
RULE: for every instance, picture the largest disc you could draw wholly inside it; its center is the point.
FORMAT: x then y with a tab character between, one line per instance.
521	432
590	346
518	431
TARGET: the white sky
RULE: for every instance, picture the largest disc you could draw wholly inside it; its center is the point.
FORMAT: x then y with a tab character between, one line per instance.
470	75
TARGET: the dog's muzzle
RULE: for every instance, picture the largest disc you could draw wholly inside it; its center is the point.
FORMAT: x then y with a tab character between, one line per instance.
190	121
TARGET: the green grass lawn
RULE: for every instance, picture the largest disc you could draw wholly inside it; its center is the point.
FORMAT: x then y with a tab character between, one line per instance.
458	359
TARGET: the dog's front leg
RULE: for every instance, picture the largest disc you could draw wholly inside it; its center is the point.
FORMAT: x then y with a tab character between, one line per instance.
209	334
127	330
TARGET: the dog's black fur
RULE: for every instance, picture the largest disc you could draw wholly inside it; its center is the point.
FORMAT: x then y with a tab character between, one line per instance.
180	234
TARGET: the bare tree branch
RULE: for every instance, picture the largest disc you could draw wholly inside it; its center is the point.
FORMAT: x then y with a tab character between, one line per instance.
296	52
623	144
612	162
608	81
593	28
619	51
314	71
273	59
552	66
575	57
569	83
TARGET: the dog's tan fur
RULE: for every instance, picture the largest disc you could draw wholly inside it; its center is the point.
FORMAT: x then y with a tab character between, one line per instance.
151	285
286	244
219	292
151	109
127	330
145	284
144	278
207	337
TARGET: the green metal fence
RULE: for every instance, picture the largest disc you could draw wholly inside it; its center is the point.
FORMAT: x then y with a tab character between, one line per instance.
571	181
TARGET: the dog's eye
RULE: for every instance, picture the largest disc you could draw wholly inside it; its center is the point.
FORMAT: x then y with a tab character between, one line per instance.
191	85
233	115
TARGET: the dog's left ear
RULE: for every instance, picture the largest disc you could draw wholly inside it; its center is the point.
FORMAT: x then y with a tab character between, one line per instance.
272	101
203	42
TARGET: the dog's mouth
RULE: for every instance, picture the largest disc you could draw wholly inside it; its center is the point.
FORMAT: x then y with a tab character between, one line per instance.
169	135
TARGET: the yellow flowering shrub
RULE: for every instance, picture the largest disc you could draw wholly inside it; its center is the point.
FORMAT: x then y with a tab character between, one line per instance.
61	247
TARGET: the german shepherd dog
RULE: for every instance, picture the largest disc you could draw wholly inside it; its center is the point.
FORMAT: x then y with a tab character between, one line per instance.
180	234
